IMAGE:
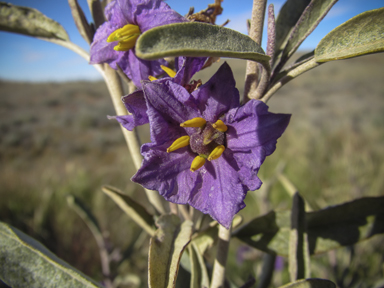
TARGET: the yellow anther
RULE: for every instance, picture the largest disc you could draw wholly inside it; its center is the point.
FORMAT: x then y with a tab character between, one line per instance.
152	78
219	125
169	71
195	122
197	163
126	36
216	153
179	143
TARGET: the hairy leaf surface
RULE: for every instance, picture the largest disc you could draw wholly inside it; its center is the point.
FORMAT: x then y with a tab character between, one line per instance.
363	34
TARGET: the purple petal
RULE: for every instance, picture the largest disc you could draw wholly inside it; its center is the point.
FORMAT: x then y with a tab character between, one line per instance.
135	104
218	95
153	13
222	193
175	182
140	69
252	126
187	67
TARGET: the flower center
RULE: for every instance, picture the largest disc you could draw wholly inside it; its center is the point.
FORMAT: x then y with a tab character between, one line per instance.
207	142
126	36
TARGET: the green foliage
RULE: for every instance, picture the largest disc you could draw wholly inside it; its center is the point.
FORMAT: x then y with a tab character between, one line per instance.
29	22
133	209
197	39
360	35
310	283
24	262
327	229
165	250
287	19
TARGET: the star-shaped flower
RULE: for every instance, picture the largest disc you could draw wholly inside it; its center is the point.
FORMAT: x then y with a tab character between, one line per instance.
114	41
205	148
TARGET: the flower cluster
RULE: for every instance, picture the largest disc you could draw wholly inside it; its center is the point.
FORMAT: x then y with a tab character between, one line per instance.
205	148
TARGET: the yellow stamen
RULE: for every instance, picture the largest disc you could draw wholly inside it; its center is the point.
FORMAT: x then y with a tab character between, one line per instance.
197	163
169	71
195	122
219	125
152	78
179	143
216	153
126	36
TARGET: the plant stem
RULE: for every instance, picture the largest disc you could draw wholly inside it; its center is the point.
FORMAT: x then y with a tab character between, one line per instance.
218	274
289	76
116	92
256	33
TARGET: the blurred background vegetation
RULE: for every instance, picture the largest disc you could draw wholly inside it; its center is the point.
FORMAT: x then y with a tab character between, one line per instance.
56	140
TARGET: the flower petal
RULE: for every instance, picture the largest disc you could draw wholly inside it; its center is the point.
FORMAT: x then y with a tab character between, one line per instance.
221	194
175	182
218	95
252	125
187	67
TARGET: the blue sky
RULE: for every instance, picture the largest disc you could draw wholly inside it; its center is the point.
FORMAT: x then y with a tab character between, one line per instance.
24	58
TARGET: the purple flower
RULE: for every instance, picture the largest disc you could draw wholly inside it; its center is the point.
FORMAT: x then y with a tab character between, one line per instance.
205	148
135	102
126	20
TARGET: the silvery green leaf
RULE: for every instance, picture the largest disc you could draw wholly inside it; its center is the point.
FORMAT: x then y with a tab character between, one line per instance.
329	228
28	21
311	17
24	262
287	19
199	274
310	283
298	242
197	39
133	209
165	249
85	29
96	8
363	34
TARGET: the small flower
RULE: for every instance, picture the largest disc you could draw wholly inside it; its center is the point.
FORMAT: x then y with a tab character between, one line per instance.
135	102
205	148
114	41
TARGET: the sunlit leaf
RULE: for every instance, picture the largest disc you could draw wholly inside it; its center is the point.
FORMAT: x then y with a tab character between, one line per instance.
197	39
199	274
24	262
363	34
85	29
165	249
28	21
133	209
287	19
327	229
310	283
308	21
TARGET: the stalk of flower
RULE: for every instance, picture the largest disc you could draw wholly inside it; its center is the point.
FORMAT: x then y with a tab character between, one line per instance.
205	148
114	41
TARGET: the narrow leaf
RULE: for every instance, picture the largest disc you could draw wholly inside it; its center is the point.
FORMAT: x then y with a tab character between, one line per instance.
85	29
310	283
298	242
197	39
24	262
133	209
165	249
327	229
288	16
311	17
265	278
97	12
28	21
203	273
363	34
